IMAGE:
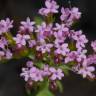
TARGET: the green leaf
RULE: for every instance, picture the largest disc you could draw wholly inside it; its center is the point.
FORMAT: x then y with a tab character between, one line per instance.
38	20
28	92
44	89
31	56
9	38
65	68
59	85
72	46
39	64
45	92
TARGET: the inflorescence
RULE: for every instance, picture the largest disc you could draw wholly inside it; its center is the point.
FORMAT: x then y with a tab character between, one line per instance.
52	48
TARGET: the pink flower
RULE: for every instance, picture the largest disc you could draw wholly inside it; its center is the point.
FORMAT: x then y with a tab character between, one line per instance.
81	41
25	74
51	7
84	69
32	74
44	30
81	55
46	71
61	28
32	43
3	42
65	14
8	54
80	38
72	56
91	59
69	15
21	39
5	25
27	26
93	45
75	12
29	64
62	49
87	71
77	56
44	48
61	32
35	74
56	74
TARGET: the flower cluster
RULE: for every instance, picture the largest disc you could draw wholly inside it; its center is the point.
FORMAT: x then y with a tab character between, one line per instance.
52	47
5	51
34	74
